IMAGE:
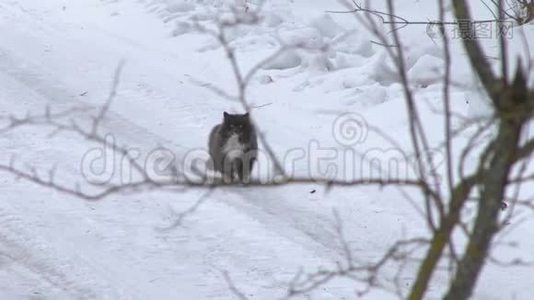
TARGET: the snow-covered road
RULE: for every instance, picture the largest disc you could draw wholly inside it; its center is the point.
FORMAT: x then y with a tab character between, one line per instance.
62	54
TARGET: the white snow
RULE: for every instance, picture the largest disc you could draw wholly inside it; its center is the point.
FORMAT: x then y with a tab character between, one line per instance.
62	54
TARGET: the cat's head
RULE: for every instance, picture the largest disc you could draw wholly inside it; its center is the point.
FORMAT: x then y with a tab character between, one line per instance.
237	124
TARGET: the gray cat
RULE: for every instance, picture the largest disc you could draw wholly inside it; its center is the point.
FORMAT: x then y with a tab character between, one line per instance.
233	147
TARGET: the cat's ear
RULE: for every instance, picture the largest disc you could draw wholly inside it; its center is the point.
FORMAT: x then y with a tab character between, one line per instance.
246	115
226	115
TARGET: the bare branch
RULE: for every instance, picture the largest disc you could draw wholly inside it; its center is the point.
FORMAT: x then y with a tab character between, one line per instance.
113	92
446	99
235	291
192	209
483	69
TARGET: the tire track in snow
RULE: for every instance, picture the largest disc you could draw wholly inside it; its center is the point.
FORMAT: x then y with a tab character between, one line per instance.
61	271
274	209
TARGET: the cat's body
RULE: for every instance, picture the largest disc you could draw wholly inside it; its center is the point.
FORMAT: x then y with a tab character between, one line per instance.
233	147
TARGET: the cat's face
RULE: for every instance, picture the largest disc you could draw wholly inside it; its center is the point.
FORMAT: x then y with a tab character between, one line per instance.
237	124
